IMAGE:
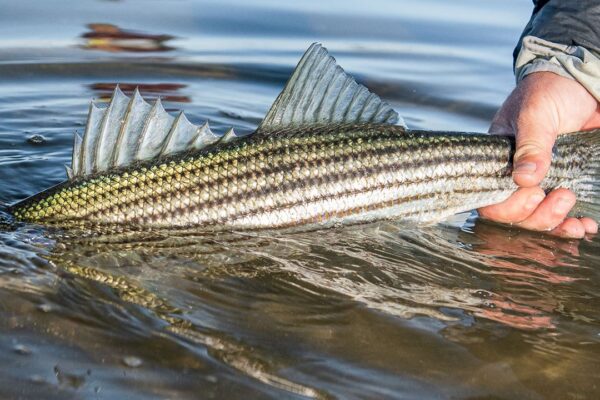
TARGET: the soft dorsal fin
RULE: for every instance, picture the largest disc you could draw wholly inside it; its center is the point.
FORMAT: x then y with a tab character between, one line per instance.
321	92
129	130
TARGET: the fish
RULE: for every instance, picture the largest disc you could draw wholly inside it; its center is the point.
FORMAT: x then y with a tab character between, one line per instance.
328	152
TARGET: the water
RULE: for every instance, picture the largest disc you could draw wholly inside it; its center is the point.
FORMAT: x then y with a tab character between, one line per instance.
386	310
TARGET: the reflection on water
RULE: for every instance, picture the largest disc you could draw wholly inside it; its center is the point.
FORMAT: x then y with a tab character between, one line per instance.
383	267
110	37
150	91
230	293
462	310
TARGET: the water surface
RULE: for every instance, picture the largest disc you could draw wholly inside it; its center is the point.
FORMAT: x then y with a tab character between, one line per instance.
458	310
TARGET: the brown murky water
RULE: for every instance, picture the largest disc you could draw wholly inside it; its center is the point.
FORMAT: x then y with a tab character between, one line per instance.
459	310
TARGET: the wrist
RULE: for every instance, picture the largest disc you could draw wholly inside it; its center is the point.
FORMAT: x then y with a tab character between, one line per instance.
572	62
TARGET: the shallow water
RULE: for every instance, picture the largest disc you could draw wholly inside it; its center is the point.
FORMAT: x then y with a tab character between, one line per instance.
385	310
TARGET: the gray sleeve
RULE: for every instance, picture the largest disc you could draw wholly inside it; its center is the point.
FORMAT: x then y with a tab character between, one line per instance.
561	37
569	22
575	62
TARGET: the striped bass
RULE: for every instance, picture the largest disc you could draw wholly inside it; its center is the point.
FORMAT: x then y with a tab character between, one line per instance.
327	152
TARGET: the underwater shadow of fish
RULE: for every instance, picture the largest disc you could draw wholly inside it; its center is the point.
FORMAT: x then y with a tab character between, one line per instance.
327	152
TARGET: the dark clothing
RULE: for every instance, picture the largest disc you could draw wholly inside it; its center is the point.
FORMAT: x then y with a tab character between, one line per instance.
570	22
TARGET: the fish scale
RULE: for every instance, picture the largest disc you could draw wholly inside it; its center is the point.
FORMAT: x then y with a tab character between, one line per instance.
327	152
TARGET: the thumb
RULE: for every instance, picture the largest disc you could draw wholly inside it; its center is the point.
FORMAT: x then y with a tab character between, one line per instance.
531	115
546	104
533	153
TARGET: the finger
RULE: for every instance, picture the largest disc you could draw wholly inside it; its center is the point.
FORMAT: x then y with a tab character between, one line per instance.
570	228
551	212
519	206
591	226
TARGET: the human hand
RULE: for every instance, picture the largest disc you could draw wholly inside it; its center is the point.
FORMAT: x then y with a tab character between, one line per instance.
542	105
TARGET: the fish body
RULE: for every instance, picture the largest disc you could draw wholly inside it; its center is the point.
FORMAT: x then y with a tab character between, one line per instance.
306	176
299	168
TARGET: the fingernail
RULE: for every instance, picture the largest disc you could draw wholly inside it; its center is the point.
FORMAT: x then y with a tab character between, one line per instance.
525	167
562	206
534	200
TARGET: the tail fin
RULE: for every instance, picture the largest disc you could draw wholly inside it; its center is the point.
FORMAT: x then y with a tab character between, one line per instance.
580	152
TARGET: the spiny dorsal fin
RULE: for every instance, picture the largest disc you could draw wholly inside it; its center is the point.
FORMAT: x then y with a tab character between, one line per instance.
130	129
69	172
204	137
133	123
320	92
229	136
155	131
109	130
90	141
76	158
180	135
